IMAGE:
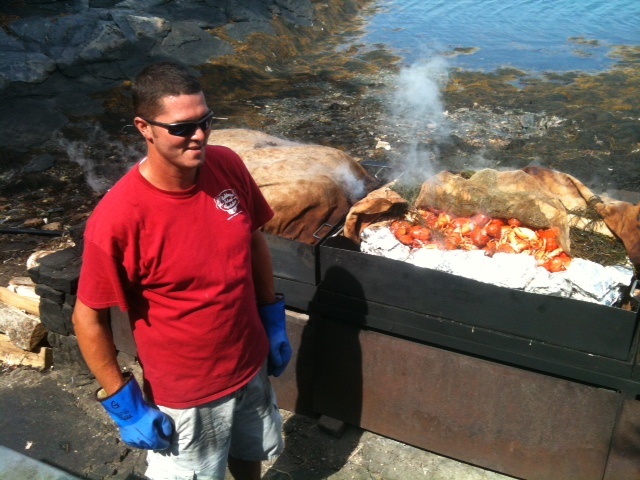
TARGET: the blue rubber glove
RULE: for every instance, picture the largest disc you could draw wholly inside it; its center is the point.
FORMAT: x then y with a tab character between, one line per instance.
141	426
273	319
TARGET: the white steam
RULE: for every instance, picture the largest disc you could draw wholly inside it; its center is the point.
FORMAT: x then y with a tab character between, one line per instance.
418	112
354	186
417	101
103	159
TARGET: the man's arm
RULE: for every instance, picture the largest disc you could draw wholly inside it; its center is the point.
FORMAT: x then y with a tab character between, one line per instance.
140	425
96	344
262	269
271	307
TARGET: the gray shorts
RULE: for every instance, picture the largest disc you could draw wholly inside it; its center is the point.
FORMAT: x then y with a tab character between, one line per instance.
245	425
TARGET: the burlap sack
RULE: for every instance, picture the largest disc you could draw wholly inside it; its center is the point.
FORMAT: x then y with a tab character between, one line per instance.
622	219
571	192
370	209
309	187
239	139
510	194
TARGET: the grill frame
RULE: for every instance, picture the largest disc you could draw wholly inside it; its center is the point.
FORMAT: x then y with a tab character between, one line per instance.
583	326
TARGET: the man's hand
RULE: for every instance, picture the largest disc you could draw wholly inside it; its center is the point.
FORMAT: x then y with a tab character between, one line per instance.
273	319
141	426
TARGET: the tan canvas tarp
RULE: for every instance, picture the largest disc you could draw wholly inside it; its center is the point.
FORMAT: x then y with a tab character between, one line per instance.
621	218
310	187
383	201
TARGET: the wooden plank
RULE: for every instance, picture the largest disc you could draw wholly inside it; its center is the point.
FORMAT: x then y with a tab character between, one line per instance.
29	305
12	355
22	281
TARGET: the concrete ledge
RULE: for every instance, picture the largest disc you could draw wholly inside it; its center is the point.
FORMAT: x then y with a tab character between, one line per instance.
17	465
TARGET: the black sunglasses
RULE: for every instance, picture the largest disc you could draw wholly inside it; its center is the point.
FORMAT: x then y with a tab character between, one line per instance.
185	129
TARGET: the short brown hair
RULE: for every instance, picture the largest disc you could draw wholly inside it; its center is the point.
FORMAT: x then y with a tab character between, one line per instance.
158	81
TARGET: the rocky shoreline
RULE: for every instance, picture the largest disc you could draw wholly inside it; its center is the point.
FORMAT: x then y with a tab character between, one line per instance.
56	56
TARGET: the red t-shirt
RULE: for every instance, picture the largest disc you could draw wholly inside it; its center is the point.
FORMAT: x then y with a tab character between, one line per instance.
180	264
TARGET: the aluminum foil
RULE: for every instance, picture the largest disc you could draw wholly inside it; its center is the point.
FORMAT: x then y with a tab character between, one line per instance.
583	279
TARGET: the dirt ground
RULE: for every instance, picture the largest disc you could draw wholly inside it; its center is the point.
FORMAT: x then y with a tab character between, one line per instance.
55	420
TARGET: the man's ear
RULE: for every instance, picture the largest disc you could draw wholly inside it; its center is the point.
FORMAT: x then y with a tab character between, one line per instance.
143	127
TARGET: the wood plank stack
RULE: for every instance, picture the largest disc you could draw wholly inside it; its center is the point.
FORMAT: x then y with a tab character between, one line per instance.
21	332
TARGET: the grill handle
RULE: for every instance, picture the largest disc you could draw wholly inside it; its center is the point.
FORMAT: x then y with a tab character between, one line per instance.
382	168
316	235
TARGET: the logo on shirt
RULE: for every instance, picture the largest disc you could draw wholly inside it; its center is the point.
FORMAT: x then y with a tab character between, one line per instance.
228	201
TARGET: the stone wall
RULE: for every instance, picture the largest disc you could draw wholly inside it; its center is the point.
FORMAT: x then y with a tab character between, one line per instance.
56	278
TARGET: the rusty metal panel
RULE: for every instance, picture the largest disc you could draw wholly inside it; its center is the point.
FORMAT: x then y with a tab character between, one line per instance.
636	368
624	459
503	418
477	341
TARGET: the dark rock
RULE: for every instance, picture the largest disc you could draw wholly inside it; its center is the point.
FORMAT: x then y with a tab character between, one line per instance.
64	280
38	7
107	44
72	103
28	121
30	182
34	30
70	300
28	67
100	472
300	12
34	275
60	38
103	3
39	164
60	259
66	353
241	30
248	11
55	317
331	426
202	13
77	234
191	45
49	293
9	44
145	30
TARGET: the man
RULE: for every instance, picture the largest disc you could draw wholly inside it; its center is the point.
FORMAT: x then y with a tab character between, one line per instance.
176	243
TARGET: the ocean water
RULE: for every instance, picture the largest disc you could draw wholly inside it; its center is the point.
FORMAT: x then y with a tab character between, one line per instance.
530	35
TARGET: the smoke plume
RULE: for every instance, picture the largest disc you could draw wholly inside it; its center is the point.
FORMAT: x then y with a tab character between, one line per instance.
103	159
418	113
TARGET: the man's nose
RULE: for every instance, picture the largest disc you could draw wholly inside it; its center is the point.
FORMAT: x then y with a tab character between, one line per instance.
200	134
